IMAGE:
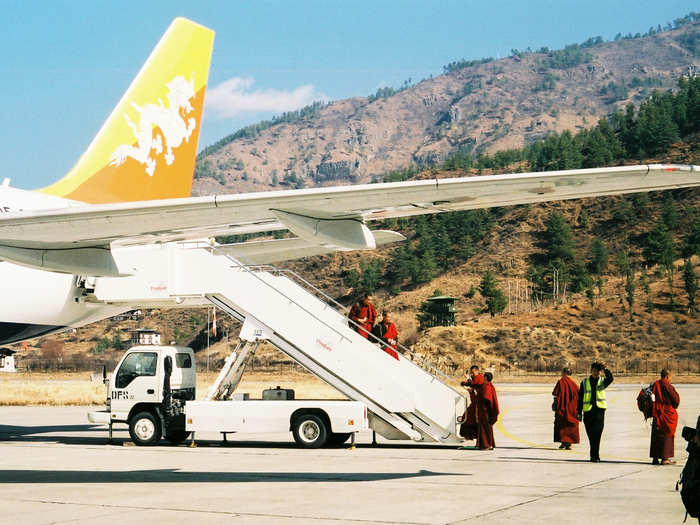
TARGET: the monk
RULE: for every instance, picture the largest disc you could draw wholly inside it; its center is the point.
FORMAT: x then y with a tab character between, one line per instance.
364	314
565	408
665	419
385	330
487	411
474	381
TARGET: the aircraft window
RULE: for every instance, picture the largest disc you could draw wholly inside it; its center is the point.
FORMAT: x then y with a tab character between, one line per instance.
183	361
136	365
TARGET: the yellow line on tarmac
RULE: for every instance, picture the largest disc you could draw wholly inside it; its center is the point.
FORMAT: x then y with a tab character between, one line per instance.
502	429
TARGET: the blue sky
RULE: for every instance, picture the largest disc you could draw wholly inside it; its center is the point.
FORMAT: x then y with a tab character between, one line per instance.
65	64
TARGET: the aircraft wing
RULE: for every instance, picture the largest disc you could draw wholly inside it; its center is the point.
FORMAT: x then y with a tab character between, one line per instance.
332	216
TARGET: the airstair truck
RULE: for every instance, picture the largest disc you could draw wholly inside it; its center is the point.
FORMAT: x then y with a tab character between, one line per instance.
406	397
152	390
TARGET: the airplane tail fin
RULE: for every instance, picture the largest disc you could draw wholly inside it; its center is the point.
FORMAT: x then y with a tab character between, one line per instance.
147	147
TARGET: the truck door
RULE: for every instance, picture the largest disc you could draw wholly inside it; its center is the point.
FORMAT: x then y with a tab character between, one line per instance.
135	382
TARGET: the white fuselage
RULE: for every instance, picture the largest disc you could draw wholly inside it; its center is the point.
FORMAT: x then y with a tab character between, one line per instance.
36	302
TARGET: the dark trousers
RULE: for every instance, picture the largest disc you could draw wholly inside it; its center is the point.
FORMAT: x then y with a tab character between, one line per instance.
594	420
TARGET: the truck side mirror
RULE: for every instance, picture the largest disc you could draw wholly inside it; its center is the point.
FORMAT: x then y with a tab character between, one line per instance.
104	375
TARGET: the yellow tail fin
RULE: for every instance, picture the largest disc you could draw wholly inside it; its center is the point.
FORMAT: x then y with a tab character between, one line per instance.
147	147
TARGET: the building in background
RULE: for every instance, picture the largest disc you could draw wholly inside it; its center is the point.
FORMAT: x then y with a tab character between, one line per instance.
7	360
145	336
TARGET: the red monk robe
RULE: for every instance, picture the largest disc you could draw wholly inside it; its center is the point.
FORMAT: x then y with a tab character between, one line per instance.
565	408
367	312
387	332
486	416
468	427
665	419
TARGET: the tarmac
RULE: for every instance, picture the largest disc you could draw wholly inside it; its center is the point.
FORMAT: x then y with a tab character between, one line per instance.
56	468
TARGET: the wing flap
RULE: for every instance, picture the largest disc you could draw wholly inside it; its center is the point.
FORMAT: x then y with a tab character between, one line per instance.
276	250
198	217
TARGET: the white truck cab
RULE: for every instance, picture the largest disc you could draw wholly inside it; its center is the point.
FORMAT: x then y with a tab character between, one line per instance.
152	390
148	391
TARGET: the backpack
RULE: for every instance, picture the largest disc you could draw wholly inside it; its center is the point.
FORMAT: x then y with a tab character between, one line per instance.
690	480
645	401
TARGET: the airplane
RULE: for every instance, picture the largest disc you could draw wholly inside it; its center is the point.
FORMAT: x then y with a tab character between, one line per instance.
131	188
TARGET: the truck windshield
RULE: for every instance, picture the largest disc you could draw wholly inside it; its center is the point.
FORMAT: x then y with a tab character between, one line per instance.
135	365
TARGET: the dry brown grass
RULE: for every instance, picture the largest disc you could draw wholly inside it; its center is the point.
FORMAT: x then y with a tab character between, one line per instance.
70	388
50	389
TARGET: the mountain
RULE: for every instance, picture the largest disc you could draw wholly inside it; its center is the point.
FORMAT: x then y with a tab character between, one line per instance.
451	253
476	106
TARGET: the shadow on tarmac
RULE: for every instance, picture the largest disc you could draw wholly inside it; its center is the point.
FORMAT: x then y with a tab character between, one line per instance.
175	476
576	460
84	435
12	432
52	434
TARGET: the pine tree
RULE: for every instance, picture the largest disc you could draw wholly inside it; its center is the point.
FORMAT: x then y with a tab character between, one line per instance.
641	203
624	212
580	279
670	214
590	295
659	247
570	156
400	267
559	241
496	301
352	278
691	245
598	257
440	243
690	282
622	262
660	250
644	281
488	284
465	249
370	275
629	291
424	269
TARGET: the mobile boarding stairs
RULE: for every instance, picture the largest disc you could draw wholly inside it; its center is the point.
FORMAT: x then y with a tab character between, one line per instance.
405	400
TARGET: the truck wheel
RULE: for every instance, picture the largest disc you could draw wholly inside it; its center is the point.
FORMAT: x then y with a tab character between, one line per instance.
177	436
144	429
310	431
336	439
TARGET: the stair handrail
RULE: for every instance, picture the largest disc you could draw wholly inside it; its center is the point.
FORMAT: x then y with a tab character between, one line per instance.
248	269
252	268
406	350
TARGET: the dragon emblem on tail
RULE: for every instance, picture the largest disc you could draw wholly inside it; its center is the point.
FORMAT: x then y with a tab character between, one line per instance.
160	128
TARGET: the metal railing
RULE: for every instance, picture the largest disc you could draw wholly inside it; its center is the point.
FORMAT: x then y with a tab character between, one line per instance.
415	359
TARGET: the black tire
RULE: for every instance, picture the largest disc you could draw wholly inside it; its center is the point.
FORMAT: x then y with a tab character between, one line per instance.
310	431
337	439
144	429
177	436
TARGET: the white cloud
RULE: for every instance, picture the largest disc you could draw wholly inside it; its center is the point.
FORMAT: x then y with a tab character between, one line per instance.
234	97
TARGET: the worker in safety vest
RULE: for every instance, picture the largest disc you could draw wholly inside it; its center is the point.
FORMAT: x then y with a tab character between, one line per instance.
592	404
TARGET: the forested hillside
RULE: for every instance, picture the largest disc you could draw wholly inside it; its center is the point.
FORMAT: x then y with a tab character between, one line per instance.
536	285
476	106
627	265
